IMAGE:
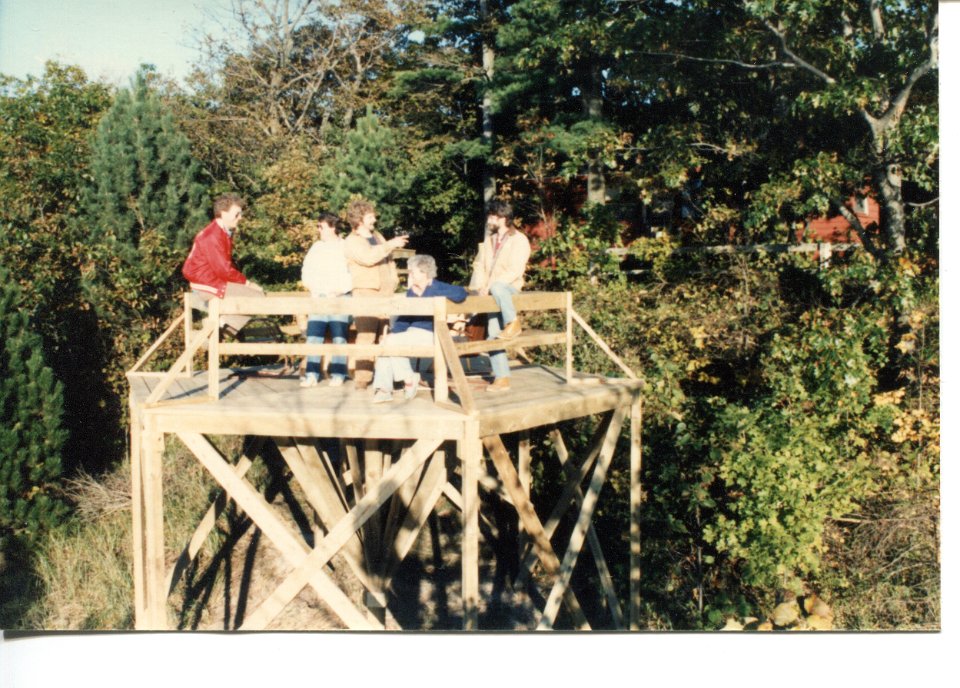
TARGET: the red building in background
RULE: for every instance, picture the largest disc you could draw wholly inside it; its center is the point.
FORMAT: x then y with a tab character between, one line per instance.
836	230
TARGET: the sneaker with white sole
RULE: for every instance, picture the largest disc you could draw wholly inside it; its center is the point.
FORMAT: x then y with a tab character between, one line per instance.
411	388
336	381
309	381
382	396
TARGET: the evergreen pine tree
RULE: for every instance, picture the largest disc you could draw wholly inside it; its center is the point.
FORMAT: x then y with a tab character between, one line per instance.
142	208
369	166
31	434
145	179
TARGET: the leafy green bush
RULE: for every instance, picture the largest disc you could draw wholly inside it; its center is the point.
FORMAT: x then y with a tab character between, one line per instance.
578	248
788	412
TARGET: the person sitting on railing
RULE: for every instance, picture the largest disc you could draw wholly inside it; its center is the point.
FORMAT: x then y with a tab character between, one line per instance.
413	330
210	269
325	274
498	271
374	274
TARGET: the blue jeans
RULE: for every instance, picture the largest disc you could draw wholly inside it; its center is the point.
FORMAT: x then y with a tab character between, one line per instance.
503	294
316	332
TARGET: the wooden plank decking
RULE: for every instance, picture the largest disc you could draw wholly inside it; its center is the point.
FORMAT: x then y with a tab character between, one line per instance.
268	405
374	505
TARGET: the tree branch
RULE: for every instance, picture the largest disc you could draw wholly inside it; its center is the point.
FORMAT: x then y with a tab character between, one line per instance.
876	18
736	63
796	59
858	227
899	104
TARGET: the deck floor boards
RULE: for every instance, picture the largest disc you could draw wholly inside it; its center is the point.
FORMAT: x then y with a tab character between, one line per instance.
269	404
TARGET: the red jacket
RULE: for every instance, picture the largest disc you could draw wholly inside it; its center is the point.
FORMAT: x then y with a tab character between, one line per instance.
209	266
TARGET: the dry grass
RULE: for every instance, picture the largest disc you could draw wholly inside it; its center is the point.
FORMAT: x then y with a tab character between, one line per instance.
85	568
95	499
892	567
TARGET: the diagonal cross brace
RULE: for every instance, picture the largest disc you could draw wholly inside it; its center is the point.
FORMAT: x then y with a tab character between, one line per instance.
593	540
531	523
257	508
340	533
575	476
583	521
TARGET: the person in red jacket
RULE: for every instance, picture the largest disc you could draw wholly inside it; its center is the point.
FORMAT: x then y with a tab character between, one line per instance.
209	267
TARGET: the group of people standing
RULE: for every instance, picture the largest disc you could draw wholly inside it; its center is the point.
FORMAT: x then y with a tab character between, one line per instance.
361	265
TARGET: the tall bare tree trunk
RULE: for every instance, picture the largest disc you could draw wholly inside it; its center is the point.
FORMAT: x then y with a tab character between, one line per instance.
486	104
593	109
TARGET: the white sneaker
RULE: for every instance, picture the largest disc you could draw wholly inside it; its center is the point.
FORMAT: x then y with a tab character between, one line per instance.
381	396
309	381
336	381
411	388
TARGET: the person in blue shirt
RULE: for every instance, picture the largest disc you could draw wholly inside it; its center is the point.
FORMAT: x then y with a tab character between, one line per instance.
413	330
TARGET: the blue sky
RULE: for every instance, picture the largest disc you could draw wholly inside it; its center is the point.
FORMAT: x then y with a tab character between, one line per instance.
109	39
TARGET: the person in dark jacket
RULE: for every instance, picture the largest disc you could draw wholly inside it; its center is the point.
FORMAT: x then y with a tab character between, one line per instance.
210	269
411	329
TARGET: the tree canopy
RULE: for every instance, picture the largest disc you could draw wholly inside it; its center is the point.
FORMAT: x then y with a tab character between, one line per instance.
793	408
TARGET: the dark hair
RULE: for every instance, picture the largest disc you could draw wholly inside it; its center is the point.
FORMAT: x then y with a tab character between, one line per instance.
329	218
223	203
500	209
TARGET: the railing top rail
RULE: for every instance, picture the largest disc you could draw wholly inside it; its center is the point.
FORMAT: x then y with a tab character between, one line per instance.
386	306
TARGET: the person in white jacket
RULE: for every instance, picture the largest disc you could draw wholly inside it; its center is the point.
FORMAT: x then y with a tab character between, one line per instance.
498	271
325	274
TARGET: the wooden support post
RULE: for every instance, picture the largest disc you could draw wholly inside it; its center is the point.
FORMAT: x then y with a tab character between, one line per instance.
531	523
636	494
523	461
372	540
352	454
213	351
606	580
471	454
568	312
526	480
155	593
583	521
136	509
441	391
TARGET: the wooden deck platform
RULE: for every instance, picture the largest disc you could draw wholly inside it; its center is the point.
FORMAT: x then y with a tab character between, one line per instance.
263	404
399	459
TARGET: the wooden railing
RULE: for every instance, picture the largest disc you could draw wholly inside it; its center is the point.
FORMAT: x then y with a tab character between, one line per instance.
444	352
